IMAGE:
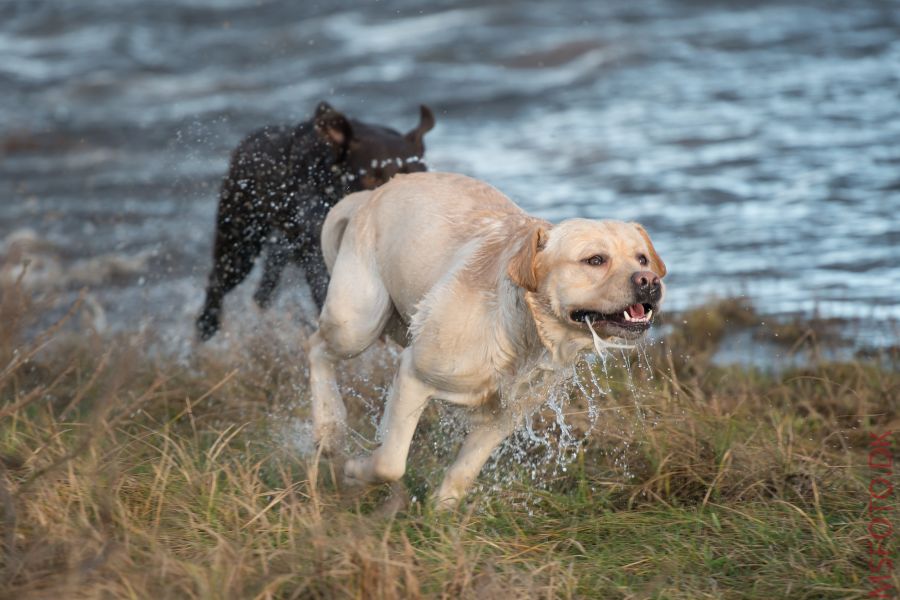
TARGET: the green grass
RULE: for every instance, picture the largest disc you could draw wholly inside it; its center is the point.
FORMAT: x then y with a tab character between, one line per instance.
126	474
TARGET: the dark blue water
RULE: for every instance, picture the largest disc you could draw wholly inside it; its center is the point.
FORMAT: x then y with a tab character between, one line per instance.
758	142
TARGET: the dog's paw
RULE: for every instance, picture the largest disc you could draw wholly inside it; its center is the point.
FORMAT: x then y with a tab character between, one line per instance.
448	496
358	471
207	326
263	299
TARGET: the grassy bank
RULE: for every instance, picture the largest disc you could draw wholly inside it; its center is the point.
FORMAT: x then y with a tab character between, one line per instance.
130	474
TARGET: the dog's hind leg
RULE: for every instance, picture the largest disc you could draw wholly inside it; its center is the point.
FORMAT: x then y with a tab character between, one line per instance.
354	314
316	276
239	239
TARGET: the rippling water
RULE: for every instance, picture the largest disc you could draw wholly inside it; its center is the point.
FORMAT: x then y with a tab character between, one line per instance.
759	143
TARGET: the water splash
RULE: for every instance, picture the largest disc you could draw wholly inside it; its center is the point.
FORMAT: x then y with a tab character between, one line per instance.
603	346
596	398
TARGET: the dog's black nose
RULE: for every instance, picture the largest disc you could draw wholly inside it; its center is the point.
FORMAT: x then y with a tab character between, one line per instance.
646	284
645	280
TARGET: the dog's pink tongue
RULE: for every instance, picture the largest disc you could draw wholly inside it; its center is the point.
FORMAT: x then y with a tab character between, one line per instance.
636	311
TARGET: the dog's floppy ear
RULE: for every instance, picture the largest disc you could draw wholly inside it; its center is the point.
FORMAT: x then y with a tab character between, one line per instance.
332	126
656	263
522	268
426	124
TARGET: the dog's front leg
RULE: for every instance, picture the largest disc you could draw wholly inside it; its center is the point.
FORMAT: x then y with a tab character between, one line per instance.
278	253
475	451
405	404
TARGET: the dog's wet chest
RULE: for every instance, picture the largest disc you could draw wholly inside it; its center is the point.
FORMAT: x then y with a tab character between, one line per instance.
469	338
468	378
459	354
479	398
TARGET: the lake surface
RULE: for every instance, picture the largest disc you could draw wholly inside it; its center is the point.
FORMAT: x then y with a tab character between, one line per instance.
758	142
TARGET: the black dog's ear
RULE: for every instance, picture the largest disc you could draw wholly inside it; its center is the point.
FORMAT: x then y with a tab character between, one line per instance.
426	124
332	126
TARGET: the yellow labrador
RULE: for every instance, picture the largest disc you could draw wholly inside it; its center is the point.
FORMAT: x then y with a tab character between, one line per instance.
481	292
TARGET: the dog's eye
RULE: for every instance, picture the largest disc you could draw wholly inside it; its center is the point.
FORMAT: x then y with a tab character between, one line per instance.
596	260
643	260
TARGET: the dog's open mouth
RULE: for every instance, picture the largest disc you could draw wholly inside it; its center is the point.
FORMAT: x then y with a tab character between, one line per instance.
636	317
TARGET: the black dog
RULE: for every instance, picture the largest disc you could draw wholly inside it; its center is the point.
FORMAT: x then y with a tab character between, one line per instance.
280	185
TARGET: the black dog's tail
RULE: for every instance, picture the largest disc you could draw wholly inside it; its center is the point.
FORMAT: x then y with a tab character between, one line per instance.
336	223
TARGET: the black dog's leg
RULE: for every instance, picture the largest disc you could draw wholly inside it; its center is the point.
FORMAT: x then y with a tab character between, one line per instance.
278	253
239	239
233	261
316	275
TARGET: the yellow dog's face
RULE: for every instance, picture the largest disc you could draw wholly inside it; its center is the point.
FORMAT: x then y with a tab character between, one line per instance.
606	273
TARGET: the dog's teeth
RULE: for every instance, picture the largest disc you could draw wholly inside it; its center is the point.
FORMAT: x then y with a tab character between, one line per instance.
649	314
627	316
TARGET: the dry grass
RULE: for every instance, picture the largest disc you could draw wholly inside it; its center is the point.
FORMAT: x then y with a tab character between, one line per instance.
125	474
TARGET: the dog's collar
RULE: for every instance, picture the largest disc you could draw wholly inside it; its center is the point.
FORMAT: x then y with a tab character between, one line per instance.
347	176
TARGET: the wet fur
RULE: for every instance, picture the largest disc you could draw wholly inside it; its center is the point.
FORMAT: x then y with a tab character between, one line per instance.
484	291
281	182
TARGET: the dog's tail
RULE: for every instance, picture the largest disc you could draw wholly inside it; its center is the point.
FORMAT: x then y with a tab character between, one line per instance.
336	223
